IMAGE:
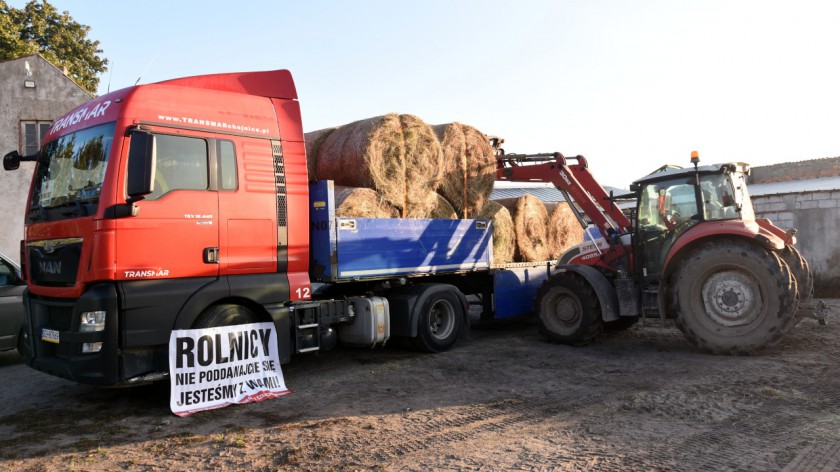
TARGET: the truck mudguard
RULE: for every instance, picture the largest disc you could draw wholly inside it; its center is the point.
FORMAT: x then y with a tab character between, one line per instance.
603	289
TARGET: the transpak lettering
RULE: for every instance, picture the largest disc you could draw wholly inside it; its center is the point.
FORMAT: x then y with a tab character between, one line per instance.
207	350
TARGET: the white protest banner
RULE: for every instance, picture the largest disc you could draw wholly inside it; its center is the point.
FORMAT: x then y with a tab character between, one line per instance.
214	367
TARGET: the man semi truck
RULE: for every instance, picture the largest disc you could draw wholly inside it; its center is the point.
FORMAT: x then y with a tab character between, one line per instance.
186	204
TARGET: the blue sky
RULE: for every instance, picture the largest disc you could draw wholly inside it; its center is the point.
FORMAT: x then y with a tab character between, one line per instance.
630	85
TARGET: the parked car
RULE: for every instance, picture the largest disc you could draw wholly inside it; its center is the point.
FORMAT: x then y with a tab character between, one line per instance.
11	304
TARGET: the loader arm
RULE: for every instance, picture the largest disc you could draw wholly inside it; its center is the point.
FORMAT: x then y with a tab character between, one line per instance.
576	182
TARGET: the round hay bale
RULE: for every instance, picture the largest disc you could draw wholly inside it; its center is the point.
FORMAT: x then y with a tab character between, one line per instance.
530	220
443	209
423	166
398	156
564	230
504	239
469	167
359	202
313	141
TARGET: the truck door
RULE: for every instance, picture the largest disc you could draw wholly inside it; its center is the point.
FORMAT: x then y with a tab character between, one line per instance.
175	232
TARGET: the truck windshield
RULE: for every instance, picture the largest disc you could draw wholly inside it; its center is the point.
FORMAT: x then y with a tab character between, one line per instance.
68	179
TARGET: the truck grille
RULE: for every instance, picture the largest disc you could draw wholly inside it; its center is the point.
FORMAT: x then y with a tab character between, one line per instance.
54	262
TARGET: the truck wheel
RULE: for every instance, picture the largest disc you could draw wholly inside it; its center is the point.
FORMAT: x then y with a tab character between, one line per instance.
440	323
801	272
225	315
568	310
733	297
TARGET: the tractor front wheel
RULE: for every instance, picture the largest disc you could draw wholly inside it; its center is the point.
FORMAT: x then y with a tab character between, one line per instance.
568	311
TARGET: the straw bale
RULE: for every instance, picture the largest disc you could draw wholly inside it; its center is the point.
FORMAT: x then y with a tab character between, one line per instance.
396	155
469	167
530	224
313	141
504	239
564	230
359	202
443	209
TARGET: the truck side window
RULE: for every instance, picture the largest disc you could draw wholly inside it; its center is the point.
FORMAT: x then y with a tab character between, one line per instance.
181	165
227	164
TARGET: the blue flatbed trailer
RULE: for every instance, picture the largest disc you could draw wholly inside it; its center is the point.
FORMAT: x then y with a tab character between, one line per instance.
456	252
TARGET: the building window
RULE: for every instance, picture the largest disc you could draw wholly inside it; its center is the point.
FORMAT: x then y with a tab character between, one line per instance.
32	132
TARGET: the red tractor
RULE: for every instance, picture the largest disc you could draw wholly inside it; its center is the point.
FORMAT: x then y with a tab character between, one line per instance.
694	252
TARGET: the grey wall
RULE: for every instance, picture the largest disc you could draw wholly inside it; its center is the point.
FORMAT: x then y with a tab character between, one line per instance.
54	95
816	216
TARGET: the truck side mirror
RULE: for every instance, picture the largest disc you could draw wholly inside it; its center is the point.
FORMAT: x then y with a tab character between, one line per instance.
141	165
11	161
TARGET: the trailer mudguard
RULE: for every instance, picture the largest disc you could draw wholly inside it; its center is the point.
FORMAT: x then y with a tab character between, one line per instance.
407	301
605	291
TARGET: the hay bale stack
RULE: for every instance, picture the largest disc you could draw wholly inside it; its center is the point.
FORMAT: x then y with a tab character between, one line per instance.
564	230
504	238
313	141
469	167
530	224
355	202
396	155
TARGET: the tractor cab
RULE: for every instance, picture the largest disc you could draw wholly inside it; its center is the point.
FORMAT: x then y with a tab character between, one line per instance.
672	200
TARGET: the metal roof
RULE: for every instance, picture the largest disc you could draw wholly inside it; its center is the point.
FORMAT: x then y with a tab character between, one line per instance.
546	194
822	184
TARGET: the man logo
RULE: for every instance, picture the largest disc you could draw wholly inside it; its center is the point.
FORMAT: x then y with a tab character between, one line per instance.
50	267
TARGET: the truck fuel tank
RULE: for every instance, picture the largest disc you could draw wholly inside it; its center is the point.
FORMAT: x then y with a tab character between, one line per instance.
371	324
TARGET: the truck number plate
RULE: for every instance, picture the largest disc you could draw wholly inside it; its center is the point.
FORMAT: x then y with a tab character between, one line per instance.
49	335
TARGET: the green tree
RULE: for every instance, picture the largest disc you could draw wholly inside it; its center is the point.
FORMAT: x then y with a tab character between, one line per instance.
39	28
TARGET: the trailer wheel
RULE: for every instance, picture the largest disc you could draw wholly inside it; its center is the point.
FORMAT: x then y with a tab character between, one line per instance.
225	315
801	272
440	322
568	310
733	297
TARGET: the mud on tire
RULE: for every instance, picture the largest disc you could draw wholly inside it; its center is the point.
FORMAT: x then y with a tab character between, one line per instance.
801	272
733	297
568	310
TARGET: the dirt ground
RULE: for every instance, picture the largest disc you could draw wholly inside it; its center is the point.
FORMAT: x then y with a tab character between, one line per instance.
643	399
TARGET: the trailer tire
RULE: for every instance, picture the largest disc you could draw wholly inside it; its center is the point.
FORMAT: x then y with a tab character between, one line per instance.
802	273
568	310
225	315
733	297
440	323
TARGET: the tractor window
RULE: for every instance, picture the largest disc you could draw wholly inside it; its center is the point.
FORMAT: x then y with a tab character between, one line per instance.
181	165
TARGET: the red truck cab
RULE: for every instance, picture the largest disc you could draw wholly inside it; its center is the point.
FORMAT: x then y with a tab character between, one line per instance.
180	192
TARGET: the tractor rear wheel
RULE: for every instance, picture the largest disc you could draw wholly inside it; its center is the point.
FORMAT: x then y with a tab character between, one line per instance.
733	297
568	310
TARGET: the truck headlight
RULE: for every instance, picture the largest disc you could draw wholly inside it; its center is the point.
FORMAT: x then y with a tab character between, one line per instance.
92	321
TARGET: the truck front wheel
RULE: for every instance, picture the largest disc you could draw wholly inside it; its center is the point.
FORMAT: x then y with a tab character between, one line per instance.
440	322
225	315
568	310
733	297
